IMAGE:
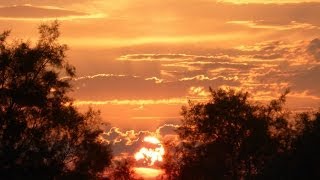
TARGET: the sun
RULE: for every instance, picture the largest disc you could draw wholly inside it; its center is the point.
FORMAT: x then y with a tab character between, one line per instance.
152	153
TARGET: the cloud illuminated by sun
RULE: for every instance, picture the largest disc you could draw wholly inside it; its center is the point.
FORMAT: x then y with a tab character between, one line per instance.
151	155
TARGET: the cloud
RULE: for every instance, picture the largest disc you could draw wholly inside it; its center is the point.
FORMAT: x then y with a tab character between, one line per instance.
171	57
252	67
265	69
140	22
199	92
155	79
130	141
205	65
148	93
156	57
314	48
198	77
111	88
30	12
272	50
167	129
205	78
127	142
101	76
182	67
40	2
307	79
275	26
202	10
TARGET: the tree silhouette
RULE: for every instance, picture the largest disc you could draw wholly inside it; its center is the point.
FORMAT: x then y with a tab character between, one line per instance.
305	156
42	135
228	137
301	160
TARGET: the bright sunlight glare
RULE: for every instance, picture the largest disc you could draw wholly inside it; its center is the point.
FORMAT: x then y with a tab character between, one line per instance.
150	155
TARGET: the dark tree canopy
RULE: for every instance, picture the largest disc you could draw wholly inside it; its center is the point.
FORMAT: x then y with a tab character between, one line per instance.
42	135
301	160
228	137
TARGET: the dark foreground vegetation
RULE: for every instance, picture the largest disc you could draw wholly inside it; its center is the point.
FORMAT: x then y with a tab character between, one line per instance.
43	136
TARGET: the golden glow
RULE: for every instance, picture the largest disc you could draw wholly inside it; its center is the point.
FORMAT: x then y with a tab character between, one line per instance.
150	155
152	140
148	173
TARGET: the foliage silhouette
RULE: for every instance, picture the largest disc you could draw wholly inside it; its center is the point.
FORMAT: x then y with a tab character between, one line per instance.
42	135
301	160
228	137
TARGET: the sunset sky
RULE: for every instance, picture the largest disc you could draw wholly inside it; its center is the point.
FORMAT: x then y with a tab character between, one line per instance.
139	61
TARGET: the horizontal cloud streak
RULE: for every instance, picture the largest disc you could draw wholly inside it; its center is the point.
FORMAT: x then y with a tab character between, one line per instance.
33	13
173	101
275	26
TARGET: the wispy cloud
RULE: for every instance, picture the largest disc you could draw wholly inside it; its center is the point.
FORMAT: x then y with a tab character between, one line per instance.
206	78
102	76
155	79
275	26
156	57
29	12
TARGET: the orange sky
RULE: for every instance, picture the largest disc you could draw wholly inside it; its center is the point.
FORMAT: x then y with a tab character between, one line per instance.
139	61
